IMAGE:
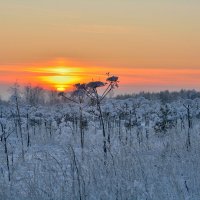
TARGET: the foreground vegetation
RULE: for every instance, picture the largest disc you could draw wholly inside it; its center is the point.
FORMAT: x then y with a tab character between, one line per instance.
75	147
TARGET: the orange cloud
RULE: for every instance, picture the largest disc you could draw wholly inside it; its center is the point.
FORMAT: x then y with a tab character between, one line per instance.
62	74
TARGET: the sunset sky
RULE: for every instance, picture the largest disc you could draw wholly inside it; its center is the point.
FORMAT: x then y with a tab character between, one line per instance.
151	45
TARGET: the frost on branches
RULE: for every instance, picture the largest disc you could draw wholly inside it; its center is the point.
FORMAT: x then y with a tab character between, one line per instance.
84	145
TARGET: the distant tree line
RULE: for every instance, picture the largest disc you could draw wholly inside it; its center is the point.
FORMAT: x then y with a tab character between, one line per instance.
36	95
164	96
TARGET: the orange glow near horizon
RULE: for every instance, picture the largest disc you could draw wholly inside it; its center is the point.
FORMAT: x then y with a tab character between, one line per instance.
60	82
62	74
59	77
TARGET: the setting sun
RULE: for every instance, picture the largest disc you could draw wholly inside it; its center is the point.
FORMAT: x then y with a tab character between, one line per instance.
62	78
60	88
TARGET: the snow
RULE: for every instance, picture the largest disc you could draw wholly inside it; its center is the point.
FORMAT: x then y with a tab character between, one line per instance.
142	161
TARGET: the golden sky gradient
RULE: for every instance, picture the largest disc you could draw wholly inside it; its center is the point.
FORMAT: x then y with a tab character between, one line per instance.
150	45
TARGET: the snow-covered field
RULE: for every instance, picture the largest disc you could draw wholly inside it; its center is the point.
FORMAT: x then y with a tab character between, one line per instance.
56	152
